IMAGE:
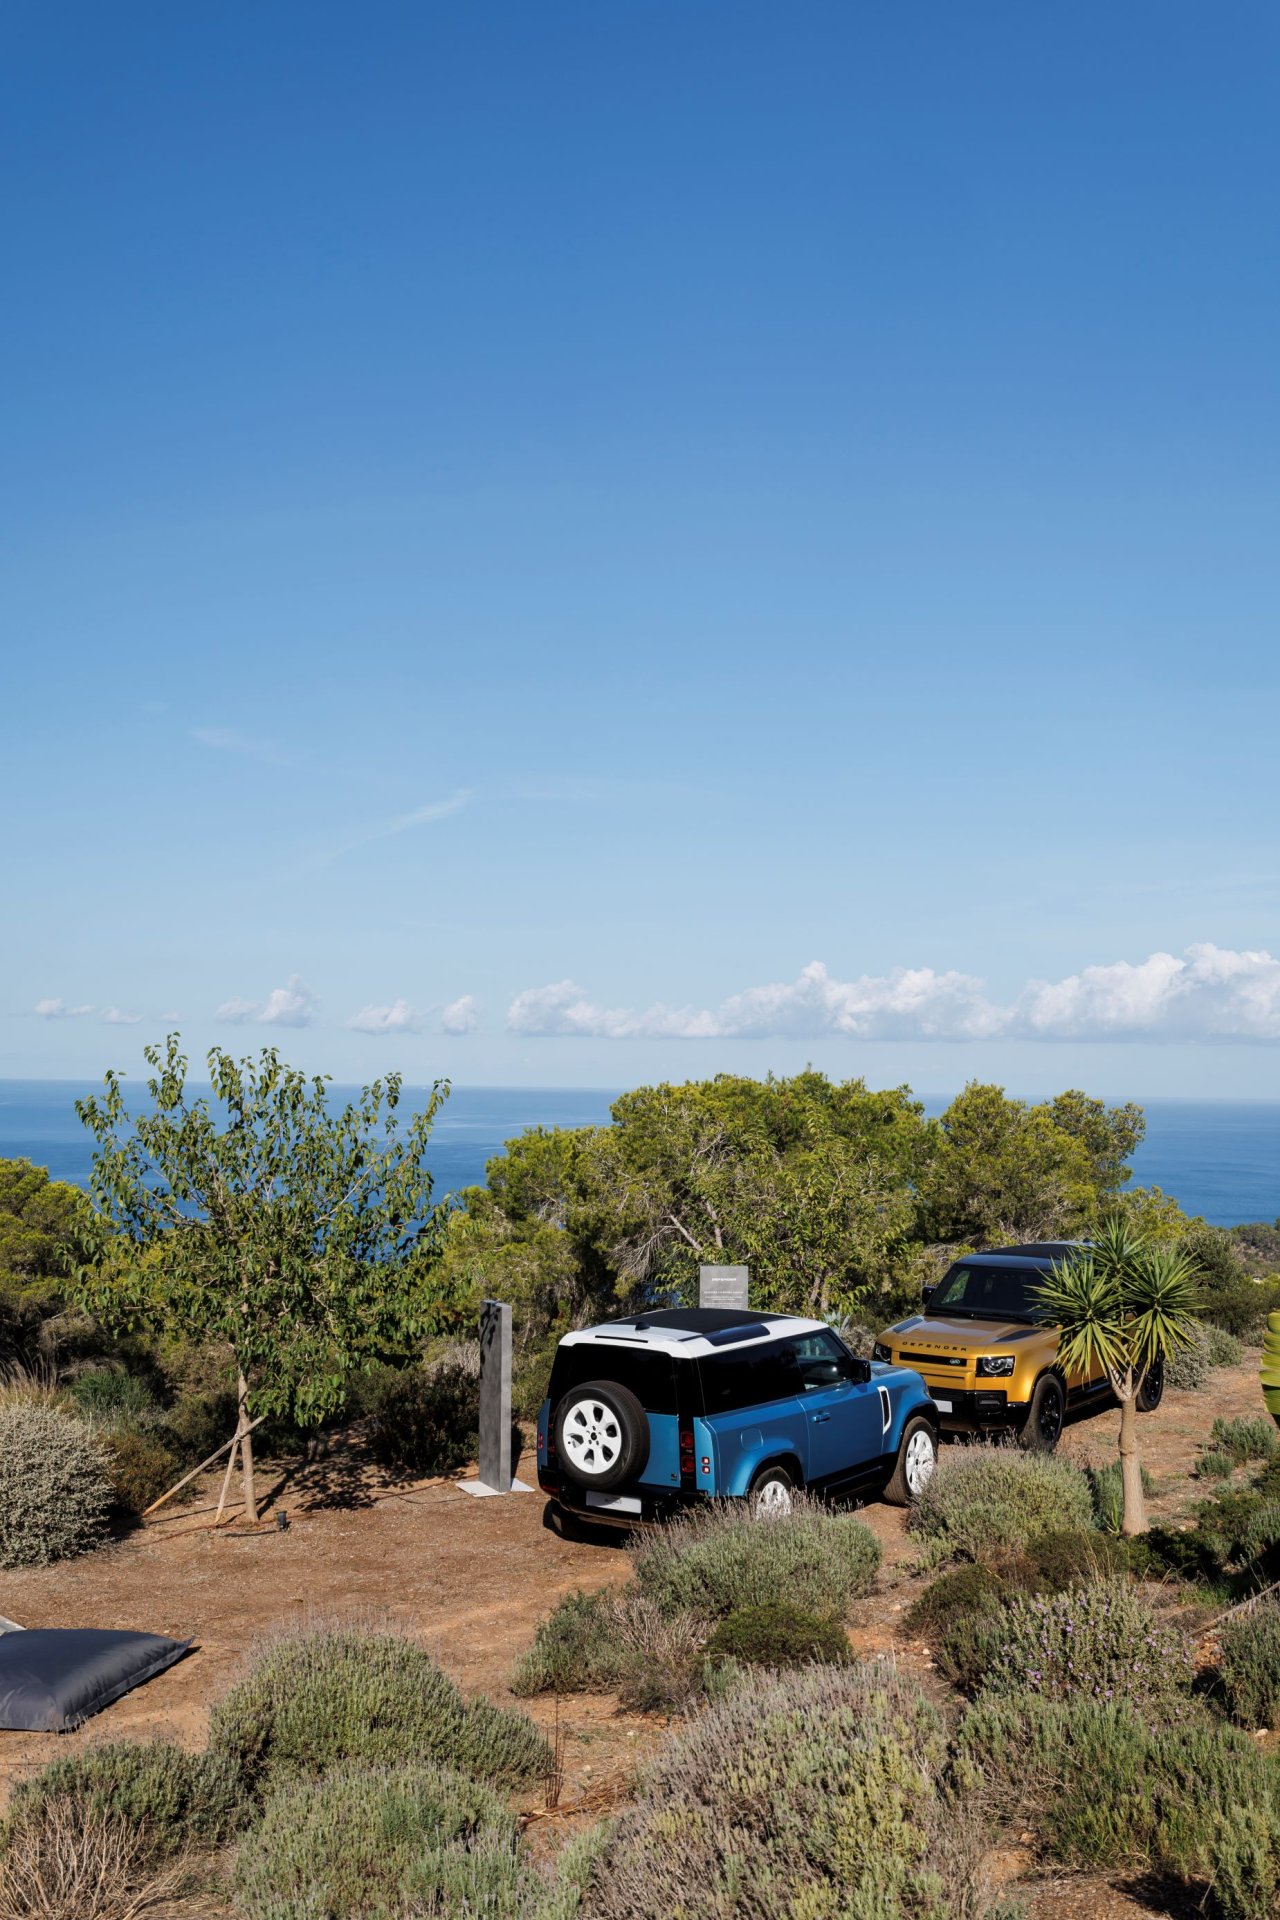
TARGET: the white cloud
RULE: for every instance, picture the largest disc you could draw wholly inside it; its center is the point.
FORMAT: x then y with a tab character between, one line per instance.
227	740
117	1017
59	1010
399	1017
423	816
291	1006
238	1011
462	1015
1209	993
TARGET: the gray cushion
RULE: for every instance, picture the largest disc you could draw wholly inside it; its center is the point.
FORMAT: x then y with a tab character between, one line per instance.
53	1678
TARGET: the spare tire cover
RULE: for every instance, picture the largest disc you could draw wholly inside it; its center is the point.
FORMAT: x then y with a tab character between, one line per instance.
601	1435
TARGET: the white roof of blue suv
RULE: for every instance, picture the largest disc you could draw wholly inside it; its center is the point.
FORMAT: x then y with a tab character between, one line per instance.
691	1332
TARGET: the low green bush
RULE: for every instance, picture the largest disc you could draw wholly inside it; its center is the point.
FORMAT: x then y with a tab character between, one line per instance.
576	1649
1050	1563
327	1695
812	1794
426	1419
140	1467
1196	1802
109	1393
198	1422
1106	1489
1189	1366
1224	1349
382	1843
1070	1556
981	1499
1101	1641
172	1799
711	1563
777	1635
971	1643
1215	1463
1253	1439
55	1490
1240	1525
616	1643
1249	1665
963	1590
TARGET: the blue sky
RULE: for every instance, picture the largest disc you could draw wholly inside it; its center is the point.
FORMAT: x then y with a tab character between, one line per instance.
598	541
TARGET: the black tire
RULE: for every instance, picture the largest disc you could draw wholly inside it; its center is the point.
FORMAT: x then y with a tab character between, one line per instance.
907	1481
602	1435
770	1495
1042	1428
1151	1393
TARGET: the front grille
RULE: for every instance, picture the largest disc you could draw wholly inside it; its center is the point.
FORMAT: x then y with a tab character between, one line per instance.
932	1359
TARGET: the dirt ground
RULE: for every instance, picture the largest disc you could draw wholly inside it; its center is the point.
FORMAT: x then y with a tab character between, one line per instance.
471	1579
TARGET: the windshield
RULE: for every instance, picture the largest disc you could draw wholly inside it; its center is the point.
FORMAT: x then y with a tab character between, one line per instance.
989	1293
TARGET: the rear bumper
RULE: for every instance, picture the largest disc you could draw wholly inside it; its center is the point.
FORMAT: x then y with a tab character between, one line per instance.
977	1410
653	1504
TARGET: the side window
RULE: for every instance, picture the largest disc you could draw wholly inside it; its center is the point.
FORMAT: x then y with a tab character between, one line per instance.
822	1360
750	1377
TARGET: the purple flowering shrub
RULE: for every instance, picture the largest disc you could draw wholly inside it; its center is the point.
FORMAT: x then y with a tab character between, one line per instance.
1099	1641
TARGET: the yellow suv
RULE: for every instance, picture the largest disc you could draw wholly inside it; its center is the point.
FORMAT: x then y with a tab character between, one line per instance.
988	1355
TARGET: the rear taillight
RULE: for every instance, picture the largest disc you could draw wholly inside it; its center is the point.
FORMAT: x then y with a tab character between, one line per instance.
688	1466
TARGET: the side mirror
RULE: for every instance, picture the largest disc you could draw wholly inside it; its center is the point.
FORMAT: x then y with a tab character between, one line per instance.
926	1292
861	1372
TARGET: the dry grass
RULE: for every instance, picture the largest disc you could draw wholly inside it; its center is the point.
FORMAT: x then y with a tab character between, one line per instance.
33	1386
70	1861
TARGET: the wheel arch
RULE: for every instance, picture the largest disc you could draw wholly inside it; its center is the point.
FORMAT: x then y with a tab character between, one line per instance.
785	1457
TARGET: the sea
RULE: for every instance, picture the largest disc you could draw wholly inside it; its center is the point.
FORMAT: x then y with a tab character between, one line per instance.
1218	1158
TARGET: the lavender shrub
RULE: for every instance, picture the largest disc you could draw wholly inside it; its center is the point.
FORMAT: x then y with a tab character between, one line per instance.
1099	1641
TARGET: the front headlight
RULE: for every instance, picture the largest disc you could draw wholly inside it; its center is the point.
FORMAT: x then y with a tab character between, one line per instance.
994	1366
881	1352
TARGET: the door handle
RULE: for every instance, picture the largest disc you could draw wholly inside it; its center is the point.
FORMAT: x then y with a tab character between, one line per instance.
816	1417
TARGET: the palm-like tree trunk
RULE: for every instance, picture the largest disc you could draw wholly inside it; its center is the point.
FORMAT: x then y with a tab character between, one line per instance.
1135	1507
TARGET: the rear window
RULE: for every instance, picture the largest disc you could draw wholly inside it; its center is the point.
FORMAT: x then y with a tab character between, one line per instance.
749	1377
648	1374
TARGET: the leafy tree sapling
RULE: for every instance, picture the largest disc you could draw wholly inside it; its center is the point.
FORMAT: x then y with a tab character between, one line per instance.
297	1235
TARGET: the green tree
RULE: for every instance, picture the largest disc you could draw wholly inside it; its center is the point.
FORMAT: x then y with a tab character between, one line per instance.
43	1226
298	1236
1121	1305
1006	1170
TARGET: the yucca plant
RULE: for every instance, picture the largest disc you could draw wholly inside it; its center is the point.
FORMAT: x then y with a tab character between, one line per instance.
1121	1304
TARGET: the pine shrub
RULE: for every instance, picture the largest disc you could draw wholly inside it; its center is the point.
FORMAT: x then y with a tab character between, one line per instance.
171	1799
324	1696
778	1635
54	1486
1223	1348
985	1498
812	1794
710	1563
1101	1641
382	1843
1189	1366
1249	1666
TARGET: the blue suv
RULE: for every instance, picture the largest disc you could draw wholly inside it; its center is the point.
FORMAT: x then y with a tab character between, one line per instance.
689	1404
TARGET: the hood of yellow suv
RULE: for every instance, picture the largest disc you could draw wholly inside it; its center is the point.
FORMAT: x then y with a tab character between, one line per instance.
940	1334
